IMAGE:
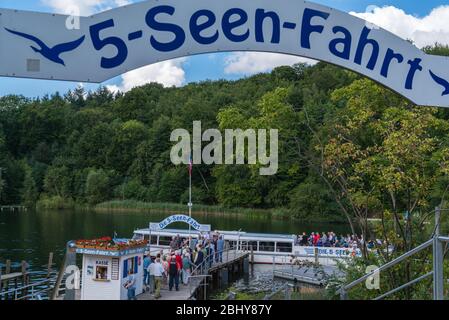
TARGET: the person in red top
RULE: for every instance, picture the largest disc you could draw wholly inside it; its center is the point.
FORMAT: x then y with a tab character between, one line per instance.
174	269
316	238
179	258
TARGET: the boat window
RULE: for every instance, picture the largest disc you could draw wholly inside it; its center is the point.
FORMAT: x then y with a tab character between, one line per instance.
250	245
154	240
164	241
284	247
231	244
266	246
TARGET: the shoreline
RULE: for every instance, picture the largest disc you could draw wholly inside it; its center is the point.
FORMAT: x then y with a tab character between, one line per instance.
280	214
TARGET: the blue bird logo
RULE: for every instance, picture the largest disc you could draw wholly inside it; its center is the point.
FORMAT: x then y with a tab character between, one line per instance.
444	83
51	54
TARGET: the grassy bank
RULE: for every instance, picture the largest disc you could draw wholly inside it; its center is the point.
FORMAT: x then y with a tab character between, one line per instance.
59	203
174	208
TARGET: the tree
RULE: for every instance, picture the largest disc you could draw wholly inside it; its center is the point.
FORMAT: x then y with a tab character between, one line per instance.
98	187
58	181
29	191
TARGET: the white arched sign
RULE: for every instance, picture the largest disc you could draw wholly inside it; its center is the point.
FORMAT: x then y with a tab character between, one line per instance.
180	218
49	46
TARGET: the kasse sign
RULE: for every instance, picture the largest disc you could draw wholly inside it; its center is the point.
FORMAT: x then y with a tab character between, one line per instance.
39	45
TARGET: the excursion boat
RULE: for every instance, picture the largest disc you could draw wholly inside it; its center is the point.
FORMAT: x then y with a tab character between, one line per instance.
265	248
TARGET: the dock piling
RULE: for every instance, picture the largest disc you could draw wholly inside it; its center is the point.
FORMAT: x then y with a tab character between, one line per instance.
0	282
246	270
252	261
50	263
8	267
224	277
24	276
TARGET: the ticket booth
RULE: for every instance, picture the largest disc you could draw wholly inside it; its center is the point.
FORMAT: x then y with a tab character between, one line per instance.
105	271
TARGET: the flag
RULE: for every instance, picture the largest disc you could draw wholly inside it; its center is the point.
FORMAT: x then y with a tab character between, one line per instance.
190	165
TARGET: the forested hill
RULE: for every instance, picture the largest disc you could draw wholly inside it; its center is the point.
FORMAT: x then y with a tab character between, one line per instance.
336	129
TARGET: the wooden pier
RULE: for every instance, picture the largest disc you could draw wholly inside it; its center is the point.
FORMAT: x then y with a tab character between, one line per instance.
18	285
11	282
235	265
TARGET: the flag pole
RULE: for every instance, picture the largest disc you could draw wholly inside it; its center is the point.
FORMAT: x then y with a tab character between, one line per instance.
190	195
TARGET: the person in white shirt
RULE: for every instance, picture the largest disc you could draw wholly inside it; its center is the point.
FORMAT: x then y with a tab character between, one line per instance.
151	277
158	272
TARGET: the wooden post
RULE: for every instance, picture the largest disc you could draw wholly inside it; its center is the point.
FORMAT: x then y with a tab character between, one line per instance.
1	281
50	263
7	271
252	261
8	267
24	276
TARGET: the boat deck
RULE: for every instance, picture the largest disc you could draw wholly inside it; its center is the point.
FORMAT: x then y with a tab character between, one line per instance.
184	293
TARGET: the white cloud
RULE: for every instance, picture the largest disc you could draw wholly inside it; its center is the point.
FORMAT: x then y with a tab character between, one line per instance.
422	30
169	73
247	63
83	7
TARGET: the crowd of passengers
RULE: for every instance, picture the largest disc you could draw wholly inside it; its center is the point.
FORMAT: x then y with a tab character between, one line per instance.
331	239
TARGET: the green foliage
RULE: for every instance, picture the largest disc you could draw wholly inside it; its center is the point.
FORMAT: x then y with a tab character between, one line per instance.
30	194
126	139
55	202
97	186
312	200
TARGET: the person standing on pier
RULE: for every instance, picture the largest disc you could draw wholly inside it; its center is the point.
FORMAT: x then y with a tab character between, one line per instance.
186	268
220	248
146	272
173	273
130	285
159	272
210	253
199	258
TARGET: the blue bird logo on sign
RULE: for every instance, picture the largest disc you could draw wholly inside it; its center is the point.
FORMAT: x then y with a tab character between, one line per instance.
52	54
442	82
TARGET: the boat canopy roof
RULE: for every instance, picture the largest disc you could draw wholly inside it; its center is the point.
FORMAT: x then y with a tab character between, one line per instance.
229	235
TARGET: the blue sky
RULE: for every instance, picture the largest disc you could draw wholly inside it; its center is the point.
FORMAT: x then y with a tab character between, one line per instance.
204	67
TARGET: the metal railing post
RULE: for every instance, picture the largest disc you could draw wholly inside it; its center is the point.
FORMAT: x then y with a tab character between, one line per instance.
1	289
438	277
343	294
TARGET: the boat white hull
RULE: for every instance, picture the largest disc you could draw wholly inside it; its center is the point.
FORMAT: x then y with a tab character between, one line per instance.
325	256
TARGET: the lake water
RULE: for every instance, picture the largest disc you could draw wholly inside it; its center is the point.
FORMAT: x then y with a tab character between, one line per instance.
31	236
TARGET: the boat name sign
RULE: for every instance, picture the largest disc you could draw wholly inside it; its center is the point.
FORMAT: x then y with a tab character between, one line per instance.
180	218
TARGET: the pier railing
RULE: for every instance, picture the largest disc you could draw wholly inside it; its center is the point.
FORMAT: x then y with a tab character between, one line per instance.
436	242
200	272
36	291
